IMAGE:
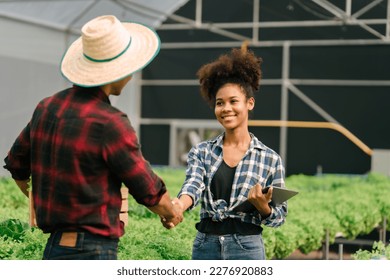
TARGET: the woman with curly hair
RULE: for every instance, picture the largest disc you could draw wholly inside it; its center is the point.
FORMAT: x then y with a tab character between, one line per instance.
234	167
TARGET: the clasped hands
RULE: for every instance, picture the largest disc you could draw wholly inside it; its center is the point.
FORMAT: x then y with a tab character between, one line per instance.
178	209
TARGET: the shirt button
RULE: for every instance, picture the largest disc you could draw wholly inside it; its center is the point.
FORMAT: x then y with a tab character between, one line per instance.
222	238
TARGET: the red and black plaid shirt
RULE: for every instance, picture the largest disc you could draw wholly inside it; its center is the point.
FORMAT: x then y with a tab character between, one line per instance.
78	150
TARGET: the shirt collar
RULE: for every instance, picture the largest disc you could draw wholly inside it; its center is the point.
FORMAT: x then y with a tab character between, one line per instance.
97	92
255	143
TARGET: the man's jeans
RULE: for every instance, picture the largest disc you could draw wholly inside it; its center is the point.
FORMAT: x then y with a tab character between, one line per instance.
80	246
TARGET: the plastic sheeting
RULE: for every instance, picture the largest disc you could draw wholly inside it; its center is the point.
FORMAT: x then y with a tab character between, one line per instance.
33	38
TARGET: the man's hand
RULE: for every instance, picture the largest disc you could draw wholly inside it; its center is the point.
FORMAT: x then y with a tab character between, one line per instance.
169	213
260	200
180	205
170	223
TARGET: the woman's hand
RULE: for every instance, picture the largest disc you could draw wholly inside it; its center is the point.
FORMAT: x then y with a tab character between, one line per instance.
260	200
179	205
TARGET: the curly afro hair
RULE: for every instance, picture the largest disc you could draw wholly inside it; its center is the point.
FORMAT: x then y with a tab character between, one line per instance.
240	66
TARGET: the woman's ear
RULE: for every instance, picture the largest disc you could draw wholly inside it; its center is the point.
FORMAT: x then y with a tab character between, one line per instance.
251	103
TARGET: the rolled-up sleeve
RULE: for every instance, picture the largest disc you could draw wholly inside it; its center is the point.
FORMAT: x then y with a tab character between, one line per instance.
279	212
193	185
18	160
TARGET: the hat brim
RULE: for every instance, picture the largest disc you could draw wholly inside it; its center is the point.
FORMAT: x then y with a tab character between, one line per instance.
144	46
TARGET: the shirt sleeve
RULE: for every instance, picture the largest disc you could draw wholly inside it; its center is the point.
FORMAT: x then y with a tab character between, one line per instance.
278	212
17	161
123	155
193	185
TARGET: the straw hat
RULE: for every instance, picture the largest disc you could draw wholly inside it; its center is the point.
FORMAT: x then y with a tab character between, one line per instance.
108	51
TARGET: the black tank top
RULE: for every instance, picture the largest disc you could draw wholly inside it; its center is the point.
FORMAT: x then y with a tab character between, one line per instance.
221	187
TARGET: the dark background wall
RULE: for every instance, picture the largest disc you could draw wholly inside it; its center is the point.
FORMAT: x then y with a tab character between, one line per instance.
363	110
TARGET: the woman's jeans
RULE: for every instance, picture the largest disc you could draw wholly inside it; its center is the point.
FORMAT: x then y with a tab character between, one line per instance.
80	246
228	247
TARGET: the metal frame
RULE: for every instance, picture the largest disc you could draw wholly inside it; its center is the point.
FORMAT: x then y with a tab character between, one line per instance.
340	17
341	240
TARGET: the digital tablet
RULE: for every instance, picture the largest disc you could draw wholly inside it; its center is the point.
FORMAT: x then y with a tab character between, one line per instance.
279	195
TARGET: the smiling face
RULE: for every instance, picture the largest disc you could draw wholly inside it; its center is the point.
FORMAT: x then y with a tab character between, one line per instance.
232	106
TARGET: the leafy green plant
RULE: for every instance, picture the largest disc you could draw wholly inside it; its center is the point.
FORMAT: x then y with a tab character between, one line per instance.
13	229
337	204
379	251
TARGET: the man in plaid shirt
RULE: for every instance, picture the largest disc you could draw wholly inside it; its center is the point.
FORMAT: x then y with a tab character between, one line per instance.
79	150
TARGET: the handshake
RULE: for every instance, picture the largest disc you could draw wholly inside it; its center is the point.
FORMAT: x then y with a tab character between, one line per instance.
171	211
170	221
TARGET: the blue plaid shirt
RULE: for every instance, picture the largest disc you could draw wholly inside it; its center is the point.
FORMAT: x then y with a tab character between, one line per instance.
260	164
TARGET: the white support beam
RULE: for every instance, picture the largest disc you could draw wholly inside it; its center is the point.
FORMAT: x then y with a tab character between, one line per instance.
347	19
336	11
348	7
198	13
256	18
312	104
284	102
333	82
274	24
172	144
293	43
210	27
369	29
388	21
195	82
305	82
183	123
366	8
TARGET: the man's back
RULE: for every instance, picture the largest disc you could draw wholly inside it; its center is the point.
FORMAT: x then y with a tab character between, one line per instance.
72	184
